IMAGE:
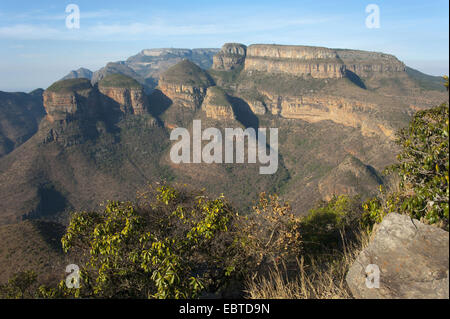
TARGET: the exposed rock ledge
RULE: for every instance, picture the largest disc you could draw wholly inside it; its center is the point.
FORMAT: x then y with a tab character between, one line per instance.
315	62
413	260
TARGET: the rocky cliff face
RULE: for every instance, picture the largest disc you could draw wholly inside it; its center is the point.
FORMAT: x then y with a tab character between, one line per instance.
184	95
366	64
131	101
69	99
126	92
302	61
216	104
231	56
315	108
185	84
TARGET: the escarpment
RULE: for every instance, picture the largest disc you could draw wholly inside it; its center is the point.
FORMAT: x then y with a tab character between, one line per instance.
125	91
230	57
314	62
314	108
365	64
185	84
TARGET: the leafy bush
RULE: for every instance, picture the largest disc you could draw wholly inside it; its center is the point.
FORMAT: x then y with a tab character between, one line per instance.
21	285
270	236
323	227
171	244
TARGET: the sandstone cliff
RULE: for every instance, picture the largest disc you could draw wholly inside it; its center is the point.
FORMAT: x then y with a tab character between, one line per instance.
69	99
216	104
185	84
125	91
230	57
315	62
366	64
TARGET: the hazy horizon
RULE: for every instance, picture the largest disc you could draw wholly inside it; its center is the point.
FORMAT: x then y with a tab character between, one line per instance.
37	48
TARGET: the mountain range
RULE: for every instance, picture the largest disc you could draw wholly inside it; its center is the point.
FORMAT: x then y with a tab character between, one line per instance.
97	136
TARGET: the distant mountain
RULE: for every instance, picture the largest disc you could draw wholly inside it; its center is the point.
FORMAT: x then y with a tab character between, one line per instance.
147	65
80	73
425	81
20	114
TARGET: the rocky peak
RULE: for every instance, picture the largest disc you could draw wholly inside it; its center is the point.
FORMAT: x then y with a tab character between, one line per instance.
126	92
304	61
231	56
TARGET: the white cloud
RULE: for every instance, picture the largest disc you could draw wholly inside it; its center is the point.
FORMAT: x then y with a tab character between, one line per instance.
136	31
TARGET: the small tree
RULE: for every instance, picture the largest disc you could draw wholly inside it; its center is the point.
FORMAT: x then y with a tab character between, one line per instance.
423	170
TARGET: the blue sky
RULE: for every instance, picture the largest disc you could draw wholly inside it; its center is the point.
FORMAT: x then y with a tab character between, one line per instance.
37	49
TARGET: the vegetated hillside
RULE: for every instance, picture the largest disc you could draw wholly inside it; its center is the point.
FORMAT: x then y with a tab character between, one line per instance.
32	245
20	114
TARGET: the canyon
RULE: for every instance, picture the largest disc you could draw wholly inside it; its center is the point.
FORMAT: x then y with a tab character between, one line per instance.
337	112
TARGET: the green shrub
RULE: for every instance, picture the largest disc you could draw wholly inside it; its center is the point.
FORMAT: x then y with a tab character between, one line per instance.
423	171
322	229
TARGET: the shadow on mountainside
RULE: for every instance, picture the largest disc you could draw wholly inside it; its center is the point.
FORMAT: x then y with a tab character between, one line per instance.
243	113
355	79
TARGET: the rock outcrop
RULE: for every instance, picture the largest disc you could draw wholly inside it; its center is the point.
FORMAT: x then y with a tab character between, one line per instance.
304	61
216	104
125	91
365	63
68	99
230	57
185	84
412	260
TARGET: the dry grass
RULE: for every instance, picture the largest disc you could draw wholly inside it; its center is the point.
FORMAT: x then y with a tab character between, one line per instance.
321	277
